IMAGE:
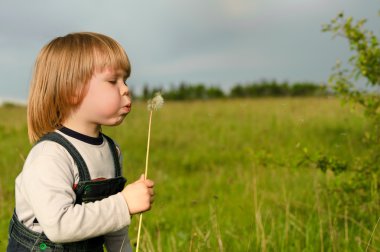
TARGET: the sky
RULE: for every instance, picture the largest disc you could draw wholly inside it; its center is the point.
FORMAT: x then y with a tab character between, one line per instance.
215	42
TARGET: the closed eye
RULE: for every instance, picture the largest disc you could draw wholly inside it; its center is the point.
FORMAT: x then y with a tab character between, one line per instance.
113	81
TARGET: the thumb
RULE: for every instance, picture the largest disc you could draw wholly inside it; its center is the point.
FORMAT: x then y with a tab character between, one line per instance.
142	177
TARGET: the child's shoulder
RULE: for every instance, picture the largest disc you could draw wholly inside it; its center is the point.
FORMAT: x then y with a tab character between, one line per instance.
47	158
48	146
48	150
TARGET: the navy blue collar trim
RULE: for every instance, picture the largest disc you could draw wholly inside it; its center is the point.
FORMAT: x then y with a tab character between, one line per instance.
87	139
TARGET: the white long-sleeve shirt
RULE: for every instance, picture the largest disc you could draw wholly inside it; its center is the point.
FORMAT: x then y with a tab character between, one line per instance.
44	191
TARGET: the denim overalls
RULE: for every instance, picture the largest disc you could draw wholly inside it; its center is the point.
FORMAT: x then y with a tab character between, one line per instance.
22	239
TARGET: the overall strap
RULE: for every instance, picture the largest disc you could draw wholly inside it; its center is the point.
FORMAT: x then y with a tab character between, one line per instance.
115	155
84	174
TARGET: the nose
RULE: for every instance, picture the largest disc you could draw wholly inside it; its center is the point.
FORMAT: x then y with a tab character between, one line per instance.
124	90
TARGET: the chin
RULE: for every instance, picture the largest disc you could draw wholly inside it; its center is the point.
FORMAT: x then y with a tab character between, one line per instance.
117	121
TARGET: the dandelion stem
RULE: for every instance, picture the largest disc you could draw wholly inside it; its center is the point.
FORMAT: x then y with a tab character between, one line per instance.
138	233
145	176
148	144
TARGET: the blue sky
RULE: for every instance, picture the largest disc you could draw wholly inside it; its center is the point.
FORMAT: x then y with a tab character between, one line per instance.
217	42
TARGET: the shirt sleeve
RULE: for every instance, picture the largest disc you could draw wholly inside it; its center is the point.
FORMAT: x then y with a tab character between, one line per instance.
118	241
47	186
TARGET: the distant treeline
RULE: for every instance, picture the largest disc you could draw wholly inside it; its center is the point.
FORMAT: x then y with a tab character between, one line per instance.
188	91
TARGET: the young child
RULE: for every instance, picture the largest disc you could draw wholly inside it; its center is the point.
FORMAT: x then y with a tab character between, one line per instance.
70	195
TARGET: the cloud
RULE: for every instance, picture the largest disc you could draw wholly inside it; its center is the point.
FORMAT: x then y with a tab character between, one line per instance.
215	41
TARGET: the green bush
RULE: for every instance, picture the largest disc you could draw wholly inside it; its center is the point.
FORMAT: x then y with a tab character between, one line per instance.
358	183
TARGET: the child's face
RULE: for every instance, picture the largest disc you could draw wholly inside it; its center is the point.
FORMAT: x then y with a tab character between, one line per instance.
107	100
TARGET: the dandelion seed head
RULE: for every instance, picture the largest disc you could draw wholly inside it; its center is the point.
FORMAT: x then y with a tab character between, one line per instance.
156	103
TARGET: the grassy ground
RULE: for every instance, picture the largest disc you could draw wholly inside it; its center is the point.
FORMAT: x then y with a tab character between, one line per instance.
228	174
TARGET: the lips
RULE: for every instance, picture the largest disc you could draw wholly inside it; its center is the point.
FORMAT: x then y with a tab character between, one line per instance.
126	108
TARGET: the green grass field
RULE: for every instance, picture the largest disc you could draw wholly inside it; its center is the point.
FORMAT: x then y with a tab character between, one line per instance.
227	174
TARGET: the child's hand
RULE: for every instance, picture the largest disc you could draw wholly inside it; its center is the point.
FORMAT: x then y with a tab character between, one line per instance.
139	195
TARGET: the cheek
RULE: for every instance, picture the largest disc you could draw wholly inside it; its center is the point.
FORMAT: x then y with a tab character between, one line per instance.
108	102
105	93
102	101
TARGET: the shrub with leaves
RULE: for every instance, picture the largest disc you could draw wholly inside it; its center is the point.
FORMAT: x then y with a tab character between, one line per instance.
361	181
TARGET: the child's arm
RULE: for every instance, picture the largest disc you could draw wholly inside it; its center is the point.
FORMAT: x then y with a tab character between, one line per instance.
46	187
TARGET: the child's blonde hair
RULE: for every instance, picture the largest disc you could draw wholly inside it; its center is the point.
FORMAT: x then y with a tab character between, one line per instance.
62	69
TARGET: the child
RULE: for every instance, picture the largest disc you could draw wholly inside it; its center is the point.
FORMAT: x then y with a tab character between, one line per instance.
70	195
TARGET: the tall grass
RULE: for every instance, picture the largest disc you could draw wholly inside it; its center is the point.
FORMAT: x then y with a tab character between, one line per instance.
227	174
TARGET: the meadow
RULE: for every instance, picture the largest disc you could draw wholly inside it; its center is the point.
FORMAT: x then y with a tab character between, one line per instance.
229	174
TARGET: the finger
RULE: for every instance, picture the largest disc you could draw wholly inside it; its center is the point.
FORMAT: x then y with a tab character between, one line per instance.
149	183
142	177
151	192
